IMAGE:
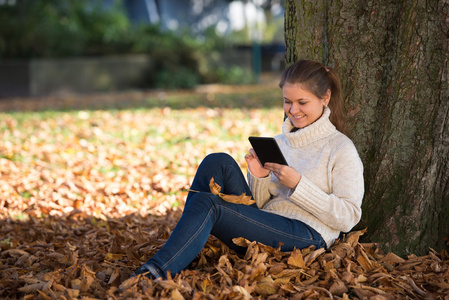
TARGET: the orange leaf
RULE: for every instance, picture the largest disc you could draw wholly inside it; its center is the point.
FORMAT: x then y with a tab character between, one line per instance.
214	187
241	199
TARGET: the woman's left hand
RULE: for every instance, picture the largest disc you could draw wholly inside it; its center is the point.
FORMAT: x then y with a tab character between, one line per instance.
287	176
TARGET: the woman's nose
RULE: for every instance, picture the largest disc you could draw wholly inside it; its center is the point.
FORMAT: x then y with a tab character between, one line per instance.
294	108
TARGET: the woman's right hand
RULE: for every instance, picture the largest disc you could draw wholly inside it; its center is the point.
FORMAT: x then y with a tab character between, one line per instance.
255	166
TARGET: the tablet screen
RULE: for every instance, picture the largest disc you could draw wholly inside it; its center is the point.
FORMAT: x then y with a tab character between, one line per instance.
267	150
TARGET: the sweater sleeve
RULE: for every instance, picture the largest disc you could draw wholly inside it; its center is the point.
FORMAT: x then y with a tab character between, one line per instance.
259	188
341	208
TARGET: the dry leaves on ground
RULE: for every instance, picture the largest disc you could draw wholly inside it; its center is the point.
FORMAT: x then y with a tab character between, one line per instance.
79	256
87	197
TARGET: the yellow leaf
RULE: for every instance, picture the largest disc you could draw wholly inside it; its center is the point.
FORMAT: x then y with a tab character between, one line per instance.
206	285
113	256
266	287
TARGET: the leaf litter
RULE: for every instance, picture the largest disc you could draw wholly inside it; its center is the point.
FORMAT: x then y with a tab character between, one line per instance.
87	197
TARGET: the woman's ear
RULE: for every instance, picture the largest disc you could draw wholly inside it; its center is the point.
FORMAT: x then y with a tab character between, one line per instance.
327	98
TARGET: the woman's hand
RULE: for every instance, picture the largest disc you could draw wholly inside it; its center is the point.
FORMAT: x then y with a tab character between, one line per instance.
255	166
287	176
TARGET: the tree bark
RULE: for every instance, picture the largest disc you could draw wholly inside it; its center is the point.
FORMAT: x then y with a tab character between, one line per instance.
392	57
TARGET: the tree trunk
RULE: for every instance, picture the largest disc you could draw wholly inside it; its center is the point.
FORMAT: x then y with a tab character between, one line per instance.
392	57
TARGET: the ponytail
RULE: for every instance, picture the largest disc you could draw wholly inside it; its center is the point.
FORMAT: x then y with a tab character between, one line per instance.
337	117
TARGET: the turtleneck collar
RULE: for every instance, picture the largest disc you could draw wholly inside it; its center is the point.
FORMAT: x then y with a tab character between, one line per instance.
317	130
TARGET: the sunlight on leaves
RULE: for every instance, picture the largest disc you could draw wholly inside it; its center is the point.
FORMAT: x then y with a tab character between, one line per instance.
87	197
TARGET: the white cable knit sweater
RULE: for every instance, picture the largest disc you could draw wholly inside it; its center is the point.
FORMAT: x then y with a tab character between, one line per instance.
329	195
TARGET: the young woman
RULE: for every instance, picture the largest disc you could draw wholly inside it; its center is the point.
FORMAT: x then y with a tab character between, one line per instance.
306	203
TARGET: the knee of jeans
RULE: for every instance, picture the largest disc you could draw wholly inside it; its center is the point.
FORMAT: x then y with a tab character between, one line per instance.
201	201
218	158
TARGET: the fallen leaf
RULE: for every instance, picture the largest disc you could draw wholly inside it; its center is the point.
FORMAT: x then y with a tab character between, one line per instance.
114	256
241	199
266	287
338	288
176	295
296	260
215	188
241	290
87	197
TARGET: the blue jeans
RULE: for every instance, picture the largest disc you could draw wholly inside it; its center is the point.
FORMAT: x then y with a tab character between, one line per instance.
205	214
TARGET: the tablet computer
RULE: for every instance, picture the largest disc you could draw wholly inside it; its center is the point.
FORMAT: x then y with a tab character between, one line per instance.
267	150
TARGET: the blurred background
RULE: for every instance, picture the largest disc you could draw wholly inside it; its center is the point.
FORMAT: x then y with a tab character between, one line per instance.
51	47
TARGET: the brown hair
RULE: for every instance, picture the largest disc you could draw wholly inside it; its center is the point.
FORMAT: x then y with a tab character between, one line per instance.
317	79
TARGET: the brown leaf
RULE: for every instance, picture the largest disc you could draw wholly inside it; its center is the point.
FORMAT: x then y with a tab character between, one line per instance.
364	261
32	288
392	259
241	290
87	278
353	237
129	283
309	281
114	276
44	295
347	277
338	288
80	212
242	242
310	258
15	253
176	295
296	260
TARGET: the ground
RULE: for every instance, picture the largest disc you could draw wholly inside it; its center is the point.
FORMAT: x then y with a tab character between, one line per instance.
91	186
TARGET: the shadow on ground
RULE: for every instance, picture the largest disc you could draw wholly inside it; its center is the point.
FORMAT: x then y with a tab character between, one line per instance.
225	96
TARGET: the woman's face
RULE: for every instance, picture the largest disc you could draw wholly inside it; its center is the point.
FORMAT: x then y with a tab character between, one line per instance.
301	106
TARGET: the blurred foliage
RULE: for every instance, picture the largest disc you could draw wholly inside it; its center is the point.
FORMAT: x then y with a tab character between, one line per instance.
53	29
48	28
